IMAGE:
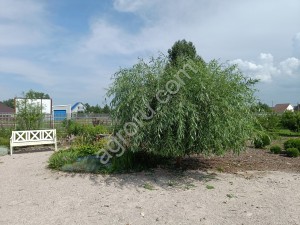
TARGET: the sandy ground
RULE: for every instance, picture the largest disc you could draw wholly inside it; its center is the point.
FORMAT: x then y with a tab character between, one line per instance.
32	194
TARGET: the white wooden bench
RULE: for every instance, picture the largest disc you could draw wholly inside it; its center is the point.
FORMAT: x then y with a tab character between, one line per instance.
32	137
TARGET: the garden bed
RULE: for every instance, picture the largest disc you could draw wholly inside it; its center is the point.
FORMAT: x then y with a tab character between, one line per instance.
250	159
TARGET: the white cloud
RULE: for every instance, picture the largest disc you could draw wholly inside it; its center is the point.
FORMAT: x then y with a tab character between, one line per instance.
290	66
130	5
19	10
106	39
209	24
267	70
219	29
22	23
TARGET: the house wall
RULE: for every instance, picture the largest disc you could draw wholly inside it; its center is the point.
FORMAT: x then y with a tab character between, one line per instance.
45	104
79	108
290	108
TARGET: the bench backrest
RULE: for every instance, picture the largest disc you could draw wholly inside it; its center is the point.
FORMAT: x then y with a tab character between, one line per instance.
33	135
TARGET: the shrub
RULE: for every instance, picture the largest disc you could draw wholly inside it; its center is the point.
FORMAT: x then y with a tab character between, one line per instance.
177	117
4	141
275	149
5	132
64	157
292	143
61	158
262	141
87	133
269	121
291	120
292	152
85	158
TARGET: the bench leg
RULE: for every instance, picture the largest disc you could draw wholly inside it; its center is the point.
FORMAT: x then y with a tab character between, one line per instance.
11	150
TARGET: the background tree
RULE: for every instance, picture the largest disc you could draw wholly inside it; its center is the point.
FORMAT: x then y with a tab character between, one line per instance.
30	115
211	113
181	50
106	109
97	109
93	109
31	94
9	102
263	107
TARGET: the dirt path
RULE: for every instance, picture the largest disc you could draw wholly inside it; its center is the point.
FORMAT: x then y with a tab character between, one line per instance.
32	194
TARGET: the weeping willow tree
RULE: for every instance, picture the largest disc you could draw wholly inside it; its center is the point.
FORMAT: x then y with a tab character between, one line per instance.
177	111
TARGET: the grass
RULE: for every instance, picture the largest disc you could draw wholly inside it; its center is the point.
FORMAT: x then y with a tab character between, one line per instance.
285	133
171	183
208	177
210	187
230	196
189	186
4	141
148	186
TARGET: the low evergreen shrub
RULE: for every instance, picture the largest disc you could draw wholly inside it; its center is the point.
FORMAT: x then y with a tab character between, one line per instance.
292	152
262	141
292	143
275	149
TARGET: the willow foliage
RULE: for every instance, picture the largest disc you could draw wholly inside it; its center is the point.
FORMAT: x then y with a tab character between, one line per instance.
174	111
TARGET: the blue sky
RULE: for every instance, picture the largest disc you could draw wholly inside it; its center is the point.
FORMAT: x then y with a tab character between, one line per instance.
71	48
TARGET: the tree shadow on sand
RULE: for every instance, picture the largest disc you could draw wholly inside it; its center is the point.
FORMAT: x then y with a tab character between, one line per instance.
166	177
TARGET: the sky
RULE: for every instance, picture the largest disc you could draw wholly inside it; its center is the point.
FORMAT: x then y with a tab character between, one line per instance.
71	48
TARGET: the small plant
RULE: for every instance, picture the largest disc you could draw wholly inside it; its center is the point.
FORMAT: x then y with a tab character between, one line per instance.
220	169
292	143
189	186
148	186
275	149
210	187
171	183
292	152
262	141
230	195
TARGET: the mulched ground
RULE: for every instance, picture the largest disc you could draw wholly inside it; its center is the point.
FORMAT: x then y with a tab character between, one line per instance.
250	159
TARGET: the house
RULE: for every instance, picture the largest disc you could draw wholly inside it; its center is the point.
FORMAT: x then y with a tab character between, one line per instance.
6	115
78	107
5	109
281	108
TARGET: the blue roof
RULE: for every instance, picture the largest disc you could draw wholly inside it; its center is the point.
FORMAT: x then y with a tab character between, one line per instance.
76	104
